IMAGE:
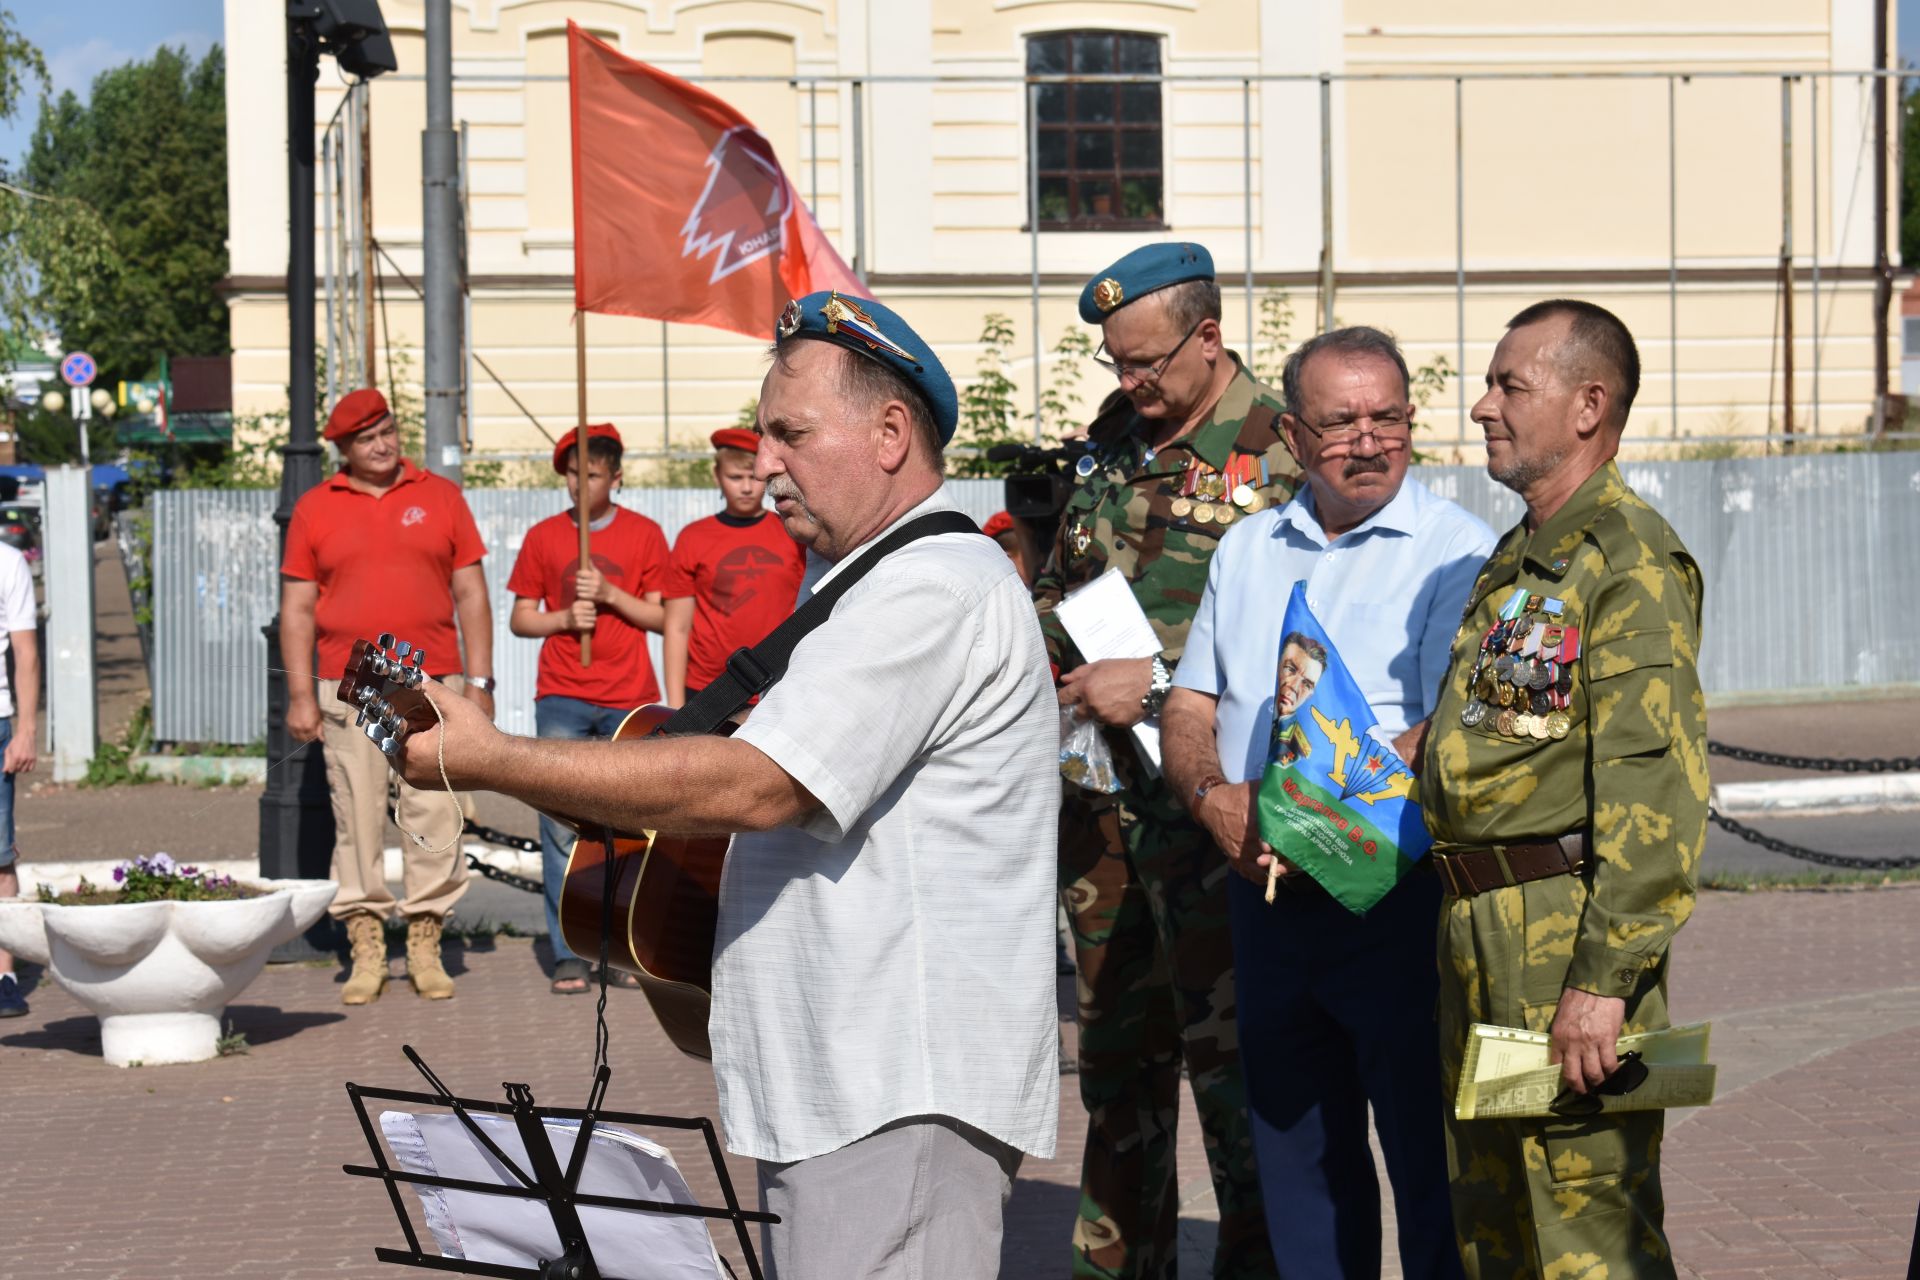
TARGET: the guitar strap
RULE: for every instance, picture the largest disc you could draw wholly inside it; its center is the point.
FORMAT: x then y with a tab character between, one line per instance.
751	672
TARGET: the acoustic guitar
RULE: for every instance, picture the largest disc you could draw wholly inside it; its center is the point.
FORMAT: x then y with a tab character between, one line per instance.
661	894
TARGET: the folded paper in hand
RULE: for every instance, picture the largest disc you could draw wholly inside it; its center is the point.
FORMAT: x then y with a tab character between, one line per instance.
1104	621
1509	1072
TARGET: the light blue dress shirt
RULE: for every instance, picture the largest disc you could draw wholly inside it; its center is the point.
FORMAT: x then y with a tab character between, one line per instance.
1389	594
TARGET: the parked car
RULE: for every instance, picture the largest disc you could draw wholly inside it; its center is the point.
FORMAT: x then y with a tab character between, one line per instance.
20	529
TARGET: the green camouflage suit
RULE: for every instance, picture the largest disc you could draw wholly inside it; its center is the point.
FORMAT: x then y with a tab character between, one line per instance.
1144	887
1575	1200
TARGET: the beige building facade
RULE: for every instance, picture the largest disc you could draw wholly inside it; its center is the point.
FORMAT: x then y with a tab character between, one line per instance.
1629	152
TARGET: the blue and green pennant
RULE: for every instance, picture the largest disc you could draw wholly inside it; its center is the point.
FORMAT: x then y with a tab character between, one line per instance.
1335	800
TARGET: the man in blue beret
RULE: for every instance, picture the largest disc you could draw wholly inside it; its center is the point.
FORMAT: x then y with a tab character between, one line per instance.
884	1019
1191	445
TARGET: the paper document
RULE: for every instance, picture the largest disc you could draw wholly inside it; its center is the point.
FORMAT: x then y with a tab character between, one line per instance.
518	1232
1507	1072
1104	621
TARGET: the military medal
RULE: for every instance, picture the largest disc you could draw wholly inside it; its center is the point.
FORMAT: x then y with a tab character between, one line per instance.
1559	724
1181	507
1081	539
1224	514
1504	722
1540	703
1242	494
1537	727
1202	513
1538	677
1084	467
1254	503
1475	712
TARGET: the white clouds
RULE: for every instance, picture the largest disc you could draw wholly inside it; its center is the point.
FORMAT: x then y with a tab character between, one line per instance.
74	66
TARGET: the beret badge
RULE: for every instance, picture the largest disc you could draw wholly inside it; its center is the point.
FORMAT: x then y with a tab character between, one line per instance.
790	319
1108	294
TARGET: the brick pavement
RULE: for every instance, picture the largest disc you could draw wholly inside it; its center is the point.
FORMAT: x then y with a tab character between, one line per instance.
1808	1166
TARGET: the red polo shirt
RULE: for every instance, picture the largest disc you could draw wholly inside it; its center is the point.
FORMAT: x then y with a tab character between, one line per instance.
743	576
383	564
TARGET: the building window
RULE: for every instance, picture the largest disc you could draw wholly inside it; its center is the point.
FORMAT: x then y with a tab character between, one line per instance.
1099	161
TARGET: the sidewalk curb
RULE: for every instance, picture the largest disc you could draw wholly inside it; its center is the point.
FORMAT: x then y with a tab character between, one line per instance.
62	876
224	770
1848	793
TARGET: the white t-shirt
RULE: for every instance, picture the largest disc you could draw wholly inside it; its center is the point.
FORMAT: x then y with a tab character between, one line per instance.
892	956
17	612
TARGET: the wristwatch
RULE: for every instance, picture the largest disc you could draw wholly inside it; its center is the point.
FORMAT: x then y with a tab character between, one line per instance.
1156	696
484	684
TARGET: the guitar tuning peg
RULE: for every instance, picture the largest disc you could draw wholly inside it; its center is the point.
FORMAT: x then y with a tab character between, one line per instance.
419	656
360	717
386	640
401	650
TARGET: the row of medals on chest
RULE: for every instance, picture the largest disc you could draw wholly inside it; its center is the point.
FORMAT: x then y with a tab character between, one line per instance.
1522	681
1208	496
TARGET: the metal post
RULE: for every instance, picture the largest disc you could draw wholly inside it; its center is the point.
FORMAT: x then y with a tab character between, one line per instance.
440	230
859	183
368	278
1882	269
1326	202
1813	89
1033	239
1786	253
1246	201
466	295
1673	259
1460	252
666	402
296	816
72	702
326	234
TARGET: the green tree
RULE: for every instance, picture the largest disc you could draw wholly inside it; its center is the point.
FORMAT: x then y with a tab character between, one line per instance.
986	403
1910	177
147	152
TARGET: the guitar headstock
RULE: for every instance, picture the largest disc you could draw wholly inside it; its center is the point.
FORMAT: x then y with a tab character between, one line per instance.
382	684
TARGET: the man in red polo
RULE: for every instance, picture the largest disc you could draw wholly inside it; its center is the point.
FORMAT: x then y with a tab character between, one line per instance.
383	546
733	577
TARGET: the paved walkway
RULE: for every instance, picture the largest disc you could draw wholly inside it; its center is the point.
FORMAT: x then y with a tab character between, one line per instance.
1809	1165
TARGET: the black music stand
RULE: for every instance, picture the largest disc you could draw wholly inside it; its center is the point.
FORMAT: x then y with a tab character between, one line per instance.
556	1187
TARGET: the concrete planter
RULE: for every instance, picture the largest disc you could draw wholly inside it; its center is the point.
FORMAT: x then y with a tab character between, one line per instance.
159	975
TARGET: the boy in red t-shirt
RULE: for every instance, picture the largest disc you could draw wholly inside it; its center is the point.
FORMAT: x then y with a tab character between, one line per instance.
733	577
616	599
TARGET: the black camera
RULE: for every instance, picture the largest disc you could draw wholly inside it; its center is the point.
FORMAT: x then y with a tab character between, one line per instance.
1041	481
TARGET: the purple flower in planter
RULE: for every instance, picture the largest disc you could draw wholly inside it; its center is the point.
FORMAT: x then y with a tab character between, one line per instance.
119	874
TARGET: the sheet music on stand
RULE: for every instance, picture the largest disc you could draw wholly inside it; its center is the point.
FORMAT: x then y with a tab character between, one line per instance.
511	1189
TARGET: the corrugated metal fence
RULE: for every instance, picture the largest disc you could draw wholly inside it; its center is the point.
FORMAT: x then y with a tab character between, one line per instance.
1802	558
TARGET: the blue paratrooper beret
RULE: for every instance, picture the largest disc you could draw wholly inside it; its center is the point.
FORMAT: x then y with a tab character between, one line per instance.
1150	267
866	328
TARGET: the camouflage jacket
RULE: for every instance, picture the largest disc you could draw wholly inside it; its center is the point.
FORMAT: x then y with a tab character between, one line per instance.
1631	766
1121	515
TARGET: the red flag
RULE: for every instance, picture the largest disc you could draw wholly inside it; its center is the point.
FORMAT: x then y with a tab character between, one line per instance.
680	210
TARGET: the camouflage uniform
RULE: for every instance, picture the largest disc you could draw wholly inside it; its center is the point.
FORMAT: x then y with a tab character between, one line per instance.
1145	891
1537	1198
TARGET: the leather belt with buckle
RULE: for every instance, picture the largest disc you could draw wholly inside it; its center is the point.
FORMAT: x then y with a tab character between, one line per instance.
1466	872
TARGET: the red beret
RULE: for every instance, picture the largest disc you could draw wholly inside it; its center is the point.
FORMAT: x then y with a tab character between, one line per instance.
357	411
564	450
735	438
997	523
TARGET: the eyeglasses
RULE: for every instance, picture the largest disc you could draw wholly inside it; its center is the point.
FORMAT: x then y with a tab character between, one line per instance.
1630	1075
1144	374
1389	428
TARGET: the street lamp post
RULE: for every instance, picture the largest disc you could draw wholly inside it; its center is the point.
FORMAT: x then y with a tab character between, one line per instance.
296	820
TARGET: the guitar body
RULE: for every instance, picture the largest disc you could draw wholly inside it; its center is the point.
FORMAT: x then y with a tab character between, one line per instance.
665	910
658	902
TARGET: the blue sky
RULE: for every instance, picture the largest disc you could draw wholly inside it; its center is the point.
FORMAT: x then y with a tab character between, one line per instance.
82	38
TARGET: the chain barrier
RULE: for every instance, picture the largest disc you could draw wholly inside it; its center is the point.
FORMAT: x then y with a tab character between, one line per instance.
1817	764
1804	854
1773	844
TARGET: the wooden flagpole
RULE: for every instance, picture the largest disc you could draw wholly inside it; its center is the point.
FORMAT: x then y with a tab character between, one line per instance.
580	462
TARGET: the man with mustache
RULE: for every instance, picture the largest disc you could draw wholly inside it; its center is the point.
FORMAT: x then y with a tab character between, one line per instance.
1336	1010
383	545
1302	663
1191	445
884	1012
1567	827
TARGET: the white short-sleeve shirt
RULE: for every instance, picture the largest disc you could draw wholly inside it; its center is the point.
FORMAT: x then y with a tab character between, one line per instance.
892	956
17	612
